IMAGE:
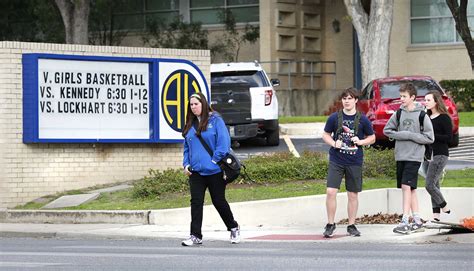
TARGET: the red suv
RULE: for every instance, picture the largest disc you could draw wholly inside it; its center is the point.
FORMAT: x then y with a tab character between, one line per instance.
381	98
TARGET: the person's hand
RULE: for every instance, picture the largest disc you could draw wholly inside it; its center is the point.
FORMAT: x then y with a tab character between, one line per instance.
356	140
338	144
187	172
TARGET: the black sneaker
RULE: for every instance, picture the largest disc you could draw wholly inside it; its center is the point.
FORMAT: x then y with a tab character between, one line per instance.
329	230
352	230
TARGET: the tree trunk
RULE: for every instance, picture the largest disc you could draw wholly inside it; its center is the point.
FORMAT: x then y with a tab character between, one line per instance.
75	14
460	17
373	35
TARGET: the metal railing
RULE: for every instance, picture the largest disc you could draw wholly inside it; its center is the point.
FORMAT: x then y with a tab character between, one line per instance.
304	71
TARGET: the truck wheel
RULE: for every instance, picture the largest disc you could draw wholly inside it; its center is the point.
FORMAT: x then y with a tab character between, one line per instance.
273	138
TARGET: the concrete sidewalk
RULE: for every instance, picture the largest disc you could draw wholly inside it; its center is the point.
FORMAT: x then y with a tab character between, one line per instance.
315	129
288	219
380	233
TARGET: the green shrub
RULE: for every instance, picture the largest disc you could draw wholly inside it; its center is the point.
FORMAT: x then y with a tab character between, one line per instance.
283	167
462	92
379	163
276	168
158	183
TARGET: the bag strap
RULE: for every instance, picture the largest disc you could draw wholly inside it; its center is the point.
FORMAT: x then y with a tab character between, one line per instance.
204	144
245	175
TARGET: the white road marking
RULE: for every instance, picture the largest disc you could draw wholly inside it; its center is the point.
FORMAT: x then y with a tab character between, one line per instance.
290	145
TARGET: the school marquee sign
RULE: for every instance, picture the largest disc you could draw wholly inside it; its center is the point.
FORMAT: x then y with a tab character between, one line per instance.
74	99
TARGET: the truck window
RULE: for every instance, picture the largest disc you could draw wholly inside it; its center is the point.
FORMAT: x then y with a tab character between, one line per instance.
253	78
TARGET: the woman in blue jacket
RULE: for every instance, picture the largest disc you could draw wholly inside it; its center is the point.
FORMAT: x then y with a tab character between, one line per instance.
202	169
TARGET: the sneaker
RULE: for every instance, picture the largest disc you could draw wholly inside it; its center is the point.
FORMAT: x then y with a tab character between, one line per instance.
191	241
448	217
352	230
329	230
402	228
235	235
415	227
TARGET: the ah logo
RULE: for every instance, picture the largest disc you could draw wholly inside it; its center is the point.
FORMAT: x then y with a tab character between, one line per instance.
179	85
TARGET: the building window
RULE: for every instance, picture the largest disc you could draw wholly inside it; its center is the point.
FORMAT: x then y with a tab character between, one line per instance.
286	18
210	11
286	43
134	14
311	44
432	22
311	20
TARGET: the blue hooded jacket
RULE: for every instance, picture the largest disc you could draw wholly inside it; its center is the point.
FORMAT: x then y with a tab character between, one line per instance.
218	139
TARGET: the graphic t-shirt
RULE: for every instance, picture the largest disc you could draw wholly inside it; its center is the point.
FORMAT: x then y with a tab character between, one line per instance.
349	154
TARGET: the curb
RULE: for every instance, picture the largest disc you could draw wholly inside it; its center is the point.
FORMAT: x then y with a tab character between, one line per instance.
75	217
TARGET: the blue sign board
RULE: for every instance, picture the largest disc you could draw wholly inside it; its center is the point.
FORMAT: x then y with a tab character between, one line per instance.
80	99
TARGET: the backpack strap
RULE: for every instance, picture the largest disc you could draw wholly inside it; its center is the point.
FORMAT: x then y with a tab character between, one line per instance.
399	114
421	119
356	123
339	124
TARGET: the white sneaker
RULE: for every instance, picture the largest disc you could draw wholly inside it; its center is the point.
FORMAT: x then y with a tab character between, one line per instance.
235	235
445	217
191	241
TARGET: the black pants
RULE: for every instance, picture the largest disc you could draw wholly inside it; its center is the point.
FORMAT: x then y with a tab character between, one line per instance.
198	185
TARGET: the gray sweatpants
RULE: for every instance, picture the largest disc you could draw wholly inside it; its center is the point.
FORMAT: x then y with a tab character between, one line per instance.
433	175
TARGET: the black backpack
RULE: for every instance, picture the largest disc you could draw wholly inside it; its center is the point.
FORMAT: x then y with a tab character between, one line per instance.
339	123
421	119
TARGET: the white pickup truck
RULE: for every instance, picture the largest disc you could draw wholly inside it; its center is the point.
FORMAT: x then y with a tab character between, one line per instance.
242	93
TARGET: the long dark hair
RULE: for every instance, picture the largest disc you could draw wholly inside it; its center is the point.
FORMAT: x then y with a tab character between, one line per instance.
440	106
191	118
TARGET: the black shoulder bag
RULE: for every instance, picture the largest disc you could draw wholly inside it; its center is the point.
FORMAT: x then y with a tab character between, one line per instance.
230	165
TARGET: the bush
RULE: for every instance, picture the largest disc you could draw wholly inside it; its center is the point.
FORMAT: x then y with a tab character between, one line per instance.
379	163
158	183
276	168
462	92
283	167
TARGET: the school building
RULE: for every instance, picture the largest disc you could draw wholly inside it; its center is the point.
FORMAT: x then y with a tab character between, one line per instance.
308	44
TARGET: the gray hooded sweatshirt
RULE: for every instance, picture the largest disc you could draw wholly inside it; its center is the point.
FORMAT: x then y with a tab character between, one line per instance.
409	144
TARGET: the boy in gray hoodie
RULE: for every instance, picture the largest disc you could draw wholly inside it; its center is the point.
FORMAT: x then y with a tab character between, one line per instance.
409	153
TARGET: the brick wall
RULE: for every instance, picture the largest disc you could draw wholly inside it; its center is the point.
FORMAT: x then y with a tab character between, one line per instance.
29	171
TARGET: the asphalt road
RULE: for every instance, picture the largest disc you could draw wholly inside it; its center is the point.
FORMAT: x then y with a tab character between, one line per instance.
167	254
460	157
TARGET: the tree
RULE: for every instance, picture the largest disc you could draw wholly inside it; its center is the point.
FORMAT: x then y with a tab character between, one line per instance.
30	20
75	14
176	34
373	32
232	40
460	17
104	28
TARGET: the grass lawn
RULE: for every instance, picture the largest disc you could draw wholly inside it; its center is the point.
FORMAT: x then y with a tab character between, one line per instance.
303	119
122	200
466	119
